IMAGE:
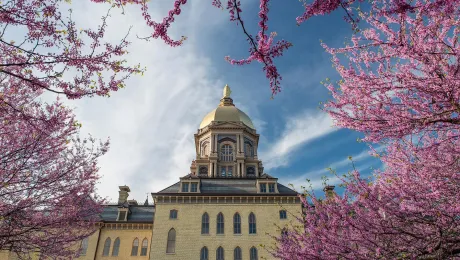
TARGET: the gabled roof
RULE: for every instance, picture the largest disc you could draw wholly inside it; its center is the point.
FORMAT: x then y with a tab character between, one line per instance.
229	187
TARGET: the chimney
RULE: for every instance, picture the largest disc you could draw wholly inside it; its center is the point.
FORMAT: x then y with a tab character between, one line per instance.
123	194
329	190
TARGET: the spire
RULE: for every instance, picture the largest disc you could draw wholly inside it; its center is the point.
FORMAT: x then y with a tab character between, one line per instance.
226	99
146	203
227	91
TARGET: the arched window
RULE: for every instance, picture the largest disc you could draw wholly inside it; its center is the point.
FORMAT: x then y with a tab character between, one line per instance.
135	247
116	247
253	254
252	224
171	246
220	253
237	253
106	250
236	224
204	253
204	149
84	246
248	150
220	223
226	153
205	223
145	244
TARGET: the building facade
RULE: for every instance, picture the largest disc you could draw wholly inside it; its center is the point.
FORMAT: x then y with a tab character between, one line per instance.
226	208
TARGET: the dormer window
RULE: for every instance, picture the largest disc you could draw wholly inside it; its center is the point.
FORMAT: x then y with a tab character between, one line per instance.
194	187
122	214
226	153
263	187
185	187
271	187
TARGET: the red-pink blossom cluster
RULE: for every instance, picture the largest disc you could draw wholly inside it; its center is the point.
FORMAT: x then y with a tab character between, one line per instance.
47	176
400	86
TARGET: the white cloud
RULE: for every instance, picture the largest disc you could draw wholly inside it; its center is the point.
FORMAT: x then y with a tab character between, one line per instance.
341	167
300	129
152	121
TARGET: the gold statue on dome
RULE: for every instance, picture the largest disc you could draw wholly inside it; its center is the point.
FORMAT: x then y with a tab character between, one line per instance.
227	92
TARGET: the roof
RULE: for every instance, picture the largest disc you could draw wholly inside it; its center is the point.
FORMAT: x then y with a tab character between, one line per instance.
139	214
220	186
227	114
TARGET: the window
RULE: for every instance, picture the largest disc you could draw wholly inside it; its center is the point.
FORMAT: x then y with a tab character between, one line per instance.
229	171
220	253
116	247
84	246
284	233
205	149
236	224
253	254
194	187
203	171
283	214
248	150
220	223
263	187
205	224
171	245
237	253
251	171
106	250
252	224
121	216
271	187
204	253
173	214
226	153
145	244
135	247
185	187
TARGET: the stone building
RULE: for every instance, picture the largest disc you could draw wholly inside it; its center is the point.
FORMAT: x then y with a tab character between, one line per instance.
225	208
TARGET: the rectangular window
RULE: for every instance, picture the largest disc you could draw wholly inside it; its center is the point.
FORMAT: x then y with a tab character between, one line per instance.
263	187
122	216
230	171
271	187
283	214
173	214
194	187
184	187
223	171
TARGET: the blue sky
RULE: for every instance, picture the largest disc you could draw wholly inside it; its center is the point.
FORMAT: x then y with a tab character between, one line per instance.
151	123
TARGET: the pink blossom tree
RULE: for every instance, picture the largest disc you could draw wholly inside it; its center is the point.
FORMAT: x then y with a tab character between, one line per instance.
400	87
47	176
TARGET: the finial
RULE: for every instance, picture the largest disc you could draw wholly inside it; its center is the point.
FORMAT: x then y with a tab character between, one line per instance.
227	91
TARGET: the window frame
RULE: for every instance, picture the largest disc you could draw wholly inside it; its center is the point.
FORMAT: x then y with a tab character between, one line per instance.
253	254
220	253
220	224
264	186
185	187
107	244
205	224
84	246
270	186
237	224
283	214
226	153
173	214
116	246
171	242
135	247
252	223
237	253
192	184
144	247
204	253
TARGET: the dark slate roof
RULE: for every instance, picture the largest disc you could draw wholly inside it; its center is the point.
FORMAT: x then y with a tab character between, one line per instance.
220	186
139	214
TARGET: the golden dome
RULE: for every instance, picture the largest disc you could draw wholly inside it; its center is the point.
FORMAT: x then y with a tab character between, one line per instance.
226	112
